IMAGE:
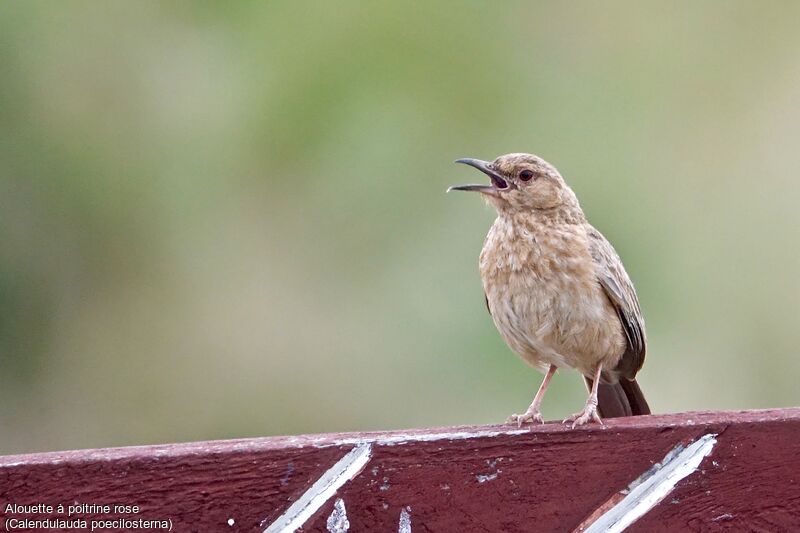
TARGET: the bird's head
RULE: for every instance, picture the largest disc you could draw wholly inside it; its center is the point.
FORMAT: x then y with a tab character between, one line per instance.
520	182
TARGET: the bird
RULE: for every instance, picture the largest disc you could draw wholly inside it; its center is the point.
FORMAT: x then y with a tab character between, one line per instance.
557	290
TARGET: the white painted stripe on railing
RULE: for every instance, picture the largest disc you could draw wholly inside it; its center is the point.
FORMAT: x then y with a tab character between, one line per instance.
654	485
322	490
404	526
337	521
407	438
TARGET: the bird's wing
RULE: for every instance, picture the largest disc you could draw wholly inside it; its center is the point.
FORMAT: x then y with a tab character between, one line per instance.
619	289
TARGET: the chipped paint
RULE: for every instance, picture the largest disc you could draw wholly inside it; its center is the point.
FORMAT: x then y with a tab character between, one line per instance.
404	526
654	485
491	476
231	521
323	489
337	521
287	476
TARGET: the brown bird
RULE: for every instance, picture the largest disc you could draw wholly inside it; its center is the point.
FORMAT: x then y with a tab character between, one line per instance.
557	290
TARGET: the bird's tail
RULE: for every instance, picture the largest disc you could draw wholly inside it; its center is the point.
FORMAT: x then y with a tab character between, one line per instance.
623	398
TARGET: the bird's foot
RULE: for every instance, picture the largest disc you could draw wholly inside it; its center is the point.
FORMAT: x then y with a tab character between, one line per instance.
532	415
589	412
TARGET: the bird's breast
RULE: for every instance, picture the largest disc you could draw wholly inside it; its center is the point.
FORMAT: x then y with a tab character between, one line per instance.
528	256
542	290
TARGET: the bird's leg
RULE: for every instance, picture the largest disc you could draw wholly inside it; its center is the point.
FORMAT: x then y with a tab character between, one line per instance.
589	411
533	414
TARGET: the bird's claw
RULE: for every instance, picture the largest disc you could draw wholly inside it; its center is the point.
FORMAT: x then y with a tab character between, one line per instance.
589	412
531	415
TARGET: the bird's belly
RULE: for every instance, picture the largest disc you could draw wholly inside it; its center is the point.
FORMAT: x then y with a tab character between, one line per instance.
547	323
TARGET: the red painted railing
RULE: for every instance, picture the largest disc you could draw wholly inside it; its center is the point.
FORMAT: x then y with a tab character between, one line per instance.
737	471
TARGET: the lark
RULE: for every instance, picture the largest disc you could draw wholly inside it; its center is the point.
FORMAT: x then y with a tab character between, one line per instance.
556	288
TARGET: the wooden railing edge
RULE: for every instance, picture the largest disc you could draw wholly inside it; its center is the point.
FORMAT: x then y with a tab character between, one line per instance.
701	470
398	436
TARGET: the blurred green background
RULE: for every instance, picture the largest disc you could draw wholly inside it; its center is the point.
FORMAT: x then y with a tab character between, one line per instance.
226	219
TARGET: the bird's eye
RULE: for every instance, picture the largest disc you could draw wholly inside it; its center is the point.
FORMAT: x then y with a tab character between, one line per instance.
526	175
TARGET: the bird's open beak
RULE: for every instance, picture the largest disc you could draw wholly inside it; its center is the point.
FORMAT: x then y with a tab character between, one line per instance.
498	182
